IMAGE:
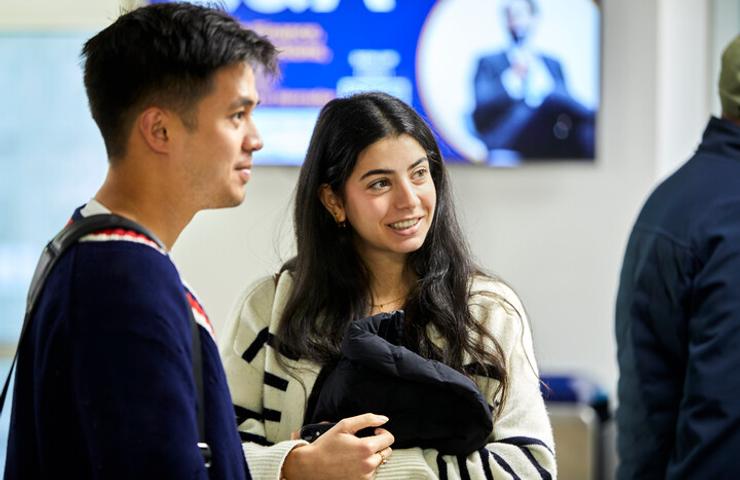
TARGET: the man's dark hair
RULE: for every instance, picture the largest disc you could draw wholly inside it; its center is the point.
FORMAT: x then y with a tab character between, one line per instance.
164	54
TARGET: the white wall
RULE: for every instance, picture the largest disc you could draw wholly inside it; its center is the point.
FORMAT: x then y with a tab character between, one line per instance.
683	73
555	232
59	15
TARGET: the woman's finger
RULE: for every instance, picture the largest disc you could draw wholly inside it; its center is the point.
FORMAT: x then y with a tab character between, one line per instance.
355	424
380	441
384	455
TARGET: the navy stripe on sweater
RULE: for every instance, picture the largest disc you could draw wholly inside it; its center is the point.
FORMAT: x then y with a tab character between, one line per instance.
525	442
463	467
258	439
243	414
262	338
507	468
484	461
271	415
442	467
256	345
544	474
275	382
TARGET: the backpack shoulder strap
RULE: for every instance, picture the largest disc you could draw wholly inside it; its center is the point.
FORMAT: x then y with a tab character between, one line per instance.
67	237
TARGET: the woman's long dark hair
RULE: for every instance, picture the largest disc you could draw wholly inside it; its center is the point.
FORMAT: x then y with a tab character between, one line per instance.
331	284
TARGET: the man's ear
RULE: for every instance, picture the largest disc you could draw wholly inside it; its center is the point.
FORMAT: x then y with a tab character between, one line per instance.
333	203
152	124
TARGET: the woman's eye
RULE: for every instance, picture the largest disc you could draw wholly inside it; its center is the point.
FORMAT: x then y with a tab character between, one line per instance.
379	185
238	116
421	173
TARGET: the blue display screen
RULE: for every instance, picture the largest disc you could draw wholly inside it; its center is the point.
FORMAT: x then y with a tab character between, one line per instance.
500	82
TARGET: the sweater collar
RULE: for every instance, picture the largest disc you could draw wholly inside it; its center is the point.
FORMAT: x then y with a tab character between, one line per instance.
93	207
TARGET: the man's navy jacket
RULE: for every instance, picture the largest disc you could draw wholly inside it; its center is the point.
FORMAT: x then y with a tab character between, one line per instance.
678	321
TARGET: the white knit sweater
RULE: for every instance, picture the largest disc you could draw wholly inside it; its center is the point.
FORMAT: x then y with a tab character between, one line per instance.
270	403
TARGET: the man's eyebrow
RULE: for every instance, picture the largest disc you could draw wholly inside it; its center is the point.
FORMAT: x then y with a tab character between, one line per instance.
382	171
243	102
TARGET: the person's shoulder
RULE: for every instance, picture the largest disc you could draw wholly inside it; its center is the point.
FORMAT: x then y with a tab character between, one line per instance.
264	298
495	303
268	287
697	203
493	288
135	287
123	257
255	315
125	269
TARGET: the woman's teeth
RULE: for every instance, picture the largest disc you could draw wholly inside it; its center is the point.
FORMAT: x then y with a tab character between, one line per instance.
404	224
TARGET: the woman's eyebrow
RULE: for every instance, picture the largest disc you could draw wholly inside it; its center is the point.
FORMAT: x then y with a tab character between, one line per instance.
416	163
377	171
386	171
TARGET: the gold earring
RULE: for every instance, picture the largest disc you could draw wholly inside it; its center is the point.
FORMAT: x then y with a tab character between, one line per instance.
340	223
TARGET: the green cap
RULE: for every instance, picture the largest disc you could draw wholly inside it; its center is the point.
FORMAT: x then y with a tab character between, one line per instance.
729	79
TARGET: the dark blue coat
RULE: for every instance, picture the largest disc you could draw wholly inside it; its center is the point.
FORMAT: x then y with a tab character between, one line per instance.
678	321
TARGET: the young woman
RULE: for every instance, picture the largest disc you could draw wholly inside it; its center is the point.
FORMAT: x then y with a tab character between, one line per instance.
376	232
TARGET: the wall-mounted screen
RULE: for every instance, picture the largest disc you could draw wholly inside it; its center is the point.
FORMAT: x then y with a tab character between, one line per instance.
502	82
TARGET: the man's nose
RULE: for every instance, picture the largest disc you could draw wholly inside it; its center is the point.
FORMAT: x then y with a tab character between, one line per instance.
252	140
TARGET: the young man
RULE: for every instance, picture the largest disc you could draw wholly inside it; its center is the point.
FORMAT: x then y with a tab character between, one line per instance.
105	385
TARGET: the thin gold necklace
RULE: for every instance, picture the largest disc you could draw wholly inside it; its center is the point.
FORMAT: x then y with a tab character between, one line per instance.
390	302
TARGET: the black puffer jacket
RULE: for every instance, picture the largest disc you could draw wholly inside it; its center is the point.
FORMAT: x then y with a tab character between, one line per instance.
429	404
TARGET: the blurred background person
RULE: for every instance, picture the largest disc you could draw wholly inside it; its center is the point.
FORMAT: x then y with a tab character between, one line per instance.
522	104
678	312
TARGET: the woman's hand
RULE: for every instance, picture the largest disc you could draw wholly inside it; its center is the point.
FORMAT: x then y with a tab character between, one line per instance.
340	454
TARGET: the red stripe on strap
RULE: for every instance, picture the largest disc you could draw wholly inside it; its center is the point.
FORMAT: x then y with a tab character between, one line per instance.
122	232
198	308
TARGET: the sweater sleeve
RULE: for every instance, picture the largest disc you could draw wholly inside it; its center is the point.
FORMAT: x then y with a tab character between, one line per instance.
521	443
243	347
